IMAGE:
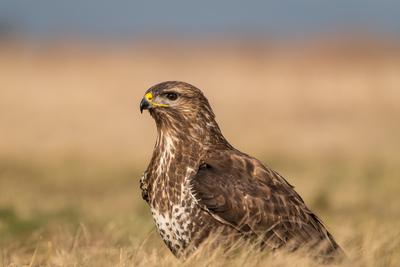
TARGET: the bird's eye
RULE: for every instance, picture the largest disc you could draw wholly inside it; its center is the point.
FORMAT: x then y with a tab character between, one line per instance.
171	96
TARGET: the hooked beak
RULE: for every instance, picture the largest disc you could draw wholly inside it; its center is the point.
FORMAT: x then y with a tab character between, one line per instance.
144	104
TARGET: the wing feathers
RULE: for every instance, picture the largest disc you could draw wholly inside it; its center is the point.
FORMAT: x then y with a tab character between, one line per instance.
240	192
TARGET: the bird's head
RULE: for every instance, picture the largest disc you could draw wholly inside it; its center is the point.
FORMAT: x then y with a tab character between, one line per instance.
182	110
176	102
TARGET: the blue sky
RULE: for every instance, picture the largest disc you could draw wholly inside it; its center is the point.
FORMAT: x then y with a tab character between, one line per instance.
131	19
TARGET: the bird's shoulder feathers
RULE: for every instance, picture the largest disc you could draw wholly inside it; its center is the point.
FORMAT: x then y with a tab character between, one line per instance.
241	192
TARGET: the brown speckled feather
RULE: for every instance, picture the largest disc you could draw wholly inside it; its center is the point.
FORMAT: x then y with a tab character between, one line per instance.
257	201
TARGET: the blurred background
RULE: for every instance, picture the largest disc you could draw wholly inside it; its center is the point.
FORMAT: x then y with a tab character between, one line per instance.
311	88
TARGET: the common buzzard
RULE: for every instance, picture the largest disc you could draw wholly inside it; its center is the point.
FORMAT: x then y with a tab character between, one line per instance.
197	183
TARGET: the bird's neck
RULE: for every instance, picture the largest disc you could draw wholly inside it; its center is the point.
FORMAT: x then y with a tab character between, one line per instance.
198	137
177	155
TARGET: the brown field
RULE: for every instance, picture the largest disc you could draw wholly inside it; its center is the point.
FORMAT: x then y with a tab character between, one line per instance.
73	145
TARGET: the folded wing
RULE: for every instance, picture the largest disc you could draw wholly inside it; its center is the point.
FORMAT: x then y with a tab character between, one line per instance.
240	192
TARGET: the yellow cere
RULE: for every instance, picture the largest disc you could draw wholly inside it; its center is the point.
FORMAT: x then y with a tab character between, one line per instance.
149	97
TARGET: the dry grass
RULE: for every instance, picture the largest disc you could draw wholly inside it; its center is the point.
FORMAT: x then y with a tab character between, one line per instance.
73	145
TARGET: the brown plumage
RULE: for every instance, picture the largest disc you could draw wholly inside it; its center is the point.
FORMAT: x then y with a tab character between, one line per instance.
197	183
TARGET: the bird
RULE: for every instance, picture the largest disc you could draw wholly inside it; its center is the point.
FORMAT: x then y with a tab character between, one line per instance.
198	184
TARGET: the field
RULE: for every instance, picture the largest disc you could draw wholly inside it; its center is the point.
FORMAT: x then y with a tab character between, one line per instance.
73	145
